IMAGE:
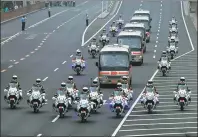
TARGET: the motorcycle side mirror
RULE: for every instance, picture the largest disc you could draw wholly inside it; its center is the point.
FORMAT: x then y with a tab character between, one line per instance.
53	98
174	92
97	64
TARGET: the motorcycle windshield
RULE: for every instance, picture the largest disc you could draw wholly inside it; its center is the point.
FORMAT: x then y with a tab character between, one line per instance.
93	89
149	90
60	93
164	59
78	58
69	85
182	87
117	93
83	97
12	85
36	88
124	86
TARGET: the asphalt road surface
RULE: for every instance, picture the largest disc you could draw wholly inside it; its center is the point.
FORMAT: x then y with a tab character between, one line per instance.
45	51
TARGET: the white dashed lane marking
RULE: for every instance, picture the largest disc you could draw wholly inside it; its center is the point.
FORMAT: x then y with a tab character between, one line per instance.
64	62
56	69
45	79
71	56
10	66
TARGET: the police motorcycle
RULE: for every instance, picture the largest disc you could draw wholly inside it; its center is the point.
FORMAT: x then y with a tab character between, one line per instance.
149	100
120	22
78	65
164	65
83	107
12	97
173	30
172	50
173	23
93	49
35	98
113	29
118	103
61	103
95	98
104	39
173	38
182	96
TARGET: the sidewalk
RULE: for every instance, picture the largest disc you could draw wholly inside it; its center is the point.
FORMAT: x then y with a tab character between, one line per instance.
193	17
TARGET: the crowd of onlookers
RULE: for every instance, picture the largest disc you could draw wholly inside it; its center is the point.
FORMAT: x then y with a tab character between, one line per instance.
7	6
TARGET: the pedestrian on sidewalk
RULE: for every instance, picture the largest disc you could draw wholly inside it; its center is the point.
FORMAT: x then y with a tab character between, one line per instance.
49	12
87	20
23	21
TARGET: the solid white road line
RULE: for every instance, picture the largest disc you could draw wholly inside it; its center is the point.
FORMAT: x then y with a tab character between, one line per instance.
172	114
104	24
161	134
140	107
146	129
154	124
56	118
158	119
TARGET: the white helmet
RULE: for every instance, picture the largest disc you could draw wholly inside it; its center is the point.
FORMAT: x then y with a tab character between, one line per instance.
38	80
63	84
182	79
70	78
124	78
119	85
14	77
78	51
85	89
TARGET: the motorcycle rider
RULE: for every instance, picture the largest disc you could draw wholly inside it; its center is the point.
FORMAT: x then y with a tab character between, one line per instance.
85	92
79	55
93	42
96	85
151	86
70	80
125	81
62	90
164	55
113	24
104	33
119	89
42	90
182	82
15	81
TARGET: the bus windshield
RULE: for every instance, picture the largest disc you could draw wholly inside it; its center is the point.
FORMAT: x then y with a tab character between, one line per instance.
134	42
142	14
146	22
141	29
114	60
